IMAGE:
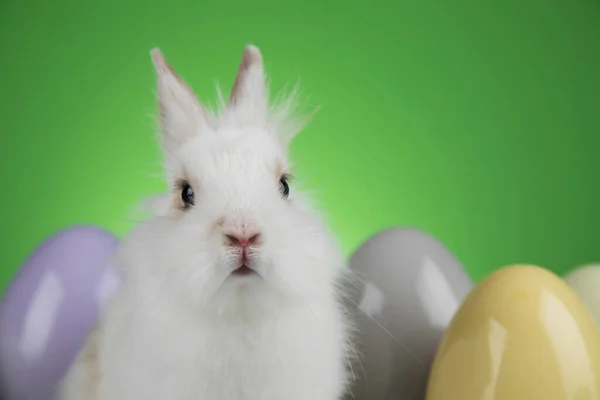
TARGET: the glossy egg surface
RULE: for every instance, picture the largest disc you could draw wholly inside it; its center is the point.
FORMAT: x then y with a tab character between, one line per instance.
521	334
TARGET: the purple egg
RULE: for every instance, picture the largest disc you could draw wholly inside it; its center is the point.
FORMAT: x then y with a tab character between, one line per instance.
50	306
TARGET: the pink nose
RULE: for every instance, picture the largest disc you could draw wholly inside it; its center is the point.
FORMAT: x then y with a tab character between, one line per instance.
242	240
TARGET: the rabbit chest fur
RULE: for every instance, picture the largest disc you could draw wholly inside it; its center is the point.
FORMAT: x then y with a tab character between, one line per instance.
156	351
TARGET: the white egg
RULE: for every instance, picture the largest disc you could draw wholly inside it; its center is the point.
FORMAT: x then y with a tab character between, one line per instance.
585	281
409	287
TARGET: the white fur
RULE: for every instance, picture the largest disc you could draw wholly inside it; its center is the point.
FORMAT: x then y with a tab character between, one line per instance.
181	327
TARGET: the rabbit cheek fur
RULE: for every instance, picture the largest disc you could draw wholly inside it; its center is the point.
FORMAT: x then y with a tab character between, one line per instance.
184	325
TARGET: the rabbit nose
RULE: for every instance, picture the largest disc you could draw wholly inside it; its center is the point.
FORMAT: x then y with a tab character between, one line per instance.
233	239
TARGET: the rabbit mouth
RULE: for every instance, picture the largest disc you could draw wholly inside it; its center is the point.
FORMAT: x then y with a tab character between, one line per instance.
244	267
243	270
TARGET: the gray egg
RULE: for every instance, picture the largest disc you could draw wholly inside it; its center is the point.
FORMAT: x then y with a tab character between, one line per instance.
406	288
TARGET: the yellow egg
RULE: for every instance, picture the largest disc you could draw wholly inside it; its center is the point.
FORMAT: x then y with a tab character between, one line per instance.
521	334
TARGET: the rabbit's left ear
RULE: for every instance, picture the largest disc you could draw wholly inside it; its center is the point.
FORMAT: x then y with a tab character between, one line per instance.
249	98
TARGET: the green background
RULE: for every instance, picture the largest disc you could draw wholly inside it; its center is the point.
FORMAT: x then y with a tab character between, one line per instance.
479	123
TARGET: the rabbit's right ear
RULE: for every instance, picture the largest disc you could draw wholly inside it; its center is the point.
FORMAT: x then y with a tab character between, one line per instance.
181	113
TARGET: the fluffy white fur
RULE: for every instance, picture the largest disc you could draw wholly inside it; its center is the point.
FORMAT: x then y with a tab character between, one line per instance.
182	327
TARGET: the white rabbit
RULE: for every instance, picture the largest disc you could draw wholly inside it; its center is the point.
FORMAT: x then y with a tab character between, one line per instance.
233	285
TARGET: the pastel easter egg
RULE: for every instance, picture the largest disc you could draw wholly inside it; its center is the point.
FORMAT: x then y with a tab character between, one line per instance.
50	306
521	334
585	280
408	287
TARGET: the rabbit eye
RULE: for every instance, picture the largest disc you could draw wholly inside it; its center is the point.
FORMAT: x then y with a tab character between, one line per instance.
187	195
284	188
